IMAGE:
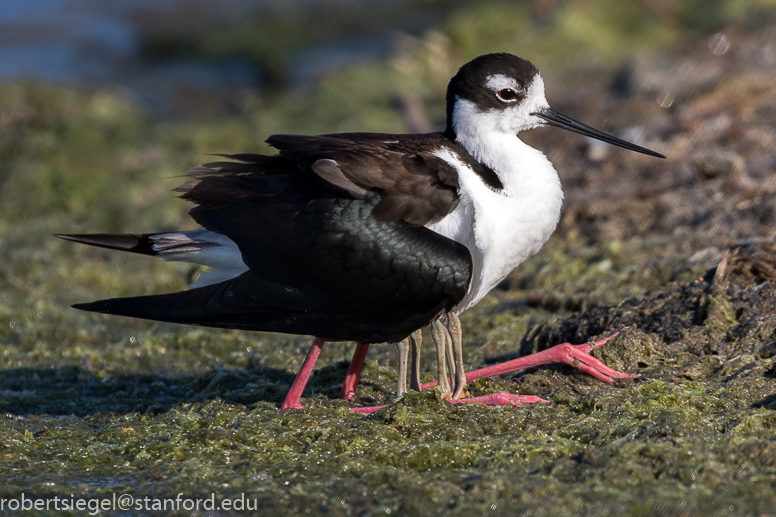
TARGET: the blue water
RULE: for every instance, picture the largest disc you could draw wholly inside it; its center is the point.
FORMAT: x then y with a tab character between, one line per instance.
72	40
99	42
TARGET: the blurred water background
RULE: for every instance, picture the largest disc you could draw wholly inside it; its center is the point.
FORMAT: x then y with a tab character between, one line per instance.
170	55
175	57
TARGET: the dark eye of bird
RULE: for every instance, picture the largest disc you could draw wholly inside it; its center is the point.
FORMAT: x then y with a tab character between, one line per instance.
507	94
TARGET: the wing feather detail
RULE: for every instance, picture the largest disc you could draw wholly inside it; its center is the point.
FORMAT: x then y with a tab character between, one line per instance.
416	187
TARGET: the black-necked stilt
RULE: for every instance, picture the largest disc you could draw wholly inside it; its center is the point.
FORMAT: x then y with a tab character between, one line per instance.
370	237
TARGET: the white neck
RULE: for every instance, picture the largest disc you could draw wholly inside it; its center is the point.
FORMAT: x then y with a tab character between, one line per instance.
500	228
509	157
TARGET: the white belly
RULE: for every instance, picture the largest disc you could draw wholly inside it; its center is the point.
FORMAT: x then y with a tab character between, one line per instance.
503	228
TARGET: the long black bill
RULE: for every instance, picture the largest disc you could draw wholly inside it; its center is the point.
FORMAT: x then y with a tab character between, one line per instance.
553	118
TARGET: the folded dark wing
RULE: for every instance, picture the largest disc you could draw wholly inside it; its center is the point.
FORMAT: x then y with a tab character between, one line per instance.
415	186
319	262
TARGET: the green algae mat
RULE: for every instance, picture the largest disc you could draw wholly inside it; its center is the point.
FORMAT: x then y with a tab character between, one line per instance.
694	435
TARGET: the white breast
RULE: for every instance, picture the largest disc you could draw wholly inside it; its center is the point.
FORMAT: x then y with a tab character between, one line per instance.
503	228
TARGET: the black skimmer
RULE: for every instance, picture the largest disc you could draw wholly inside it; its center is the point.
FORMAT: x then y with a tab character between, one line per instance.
370	237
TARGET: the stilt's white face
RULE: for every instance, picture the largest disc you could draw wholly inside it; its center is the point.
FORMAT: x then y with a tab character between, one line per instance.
499	95
510	109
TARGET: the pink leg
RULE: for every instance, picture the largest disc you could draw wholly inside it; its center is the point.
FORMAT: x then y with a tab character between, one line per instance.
502	399
354	372
575	355
367	410
295	393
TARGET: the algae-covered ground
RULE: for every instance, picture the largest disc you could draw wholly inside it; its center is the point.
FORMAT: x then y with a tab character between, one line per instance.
680	251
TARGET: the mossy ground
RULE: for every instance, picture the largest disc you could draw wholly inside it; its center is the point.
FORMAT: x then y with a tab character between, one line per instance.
93	405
